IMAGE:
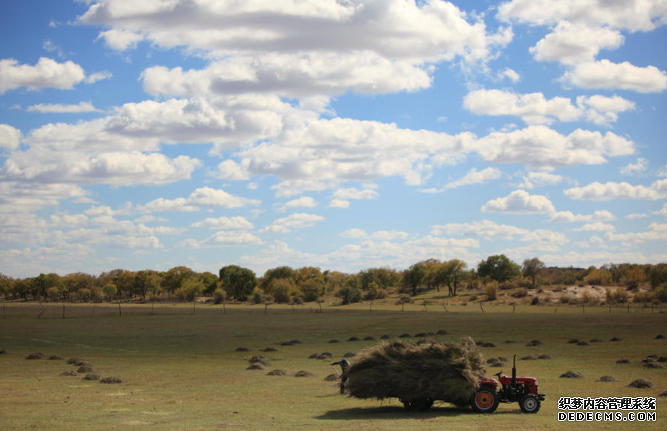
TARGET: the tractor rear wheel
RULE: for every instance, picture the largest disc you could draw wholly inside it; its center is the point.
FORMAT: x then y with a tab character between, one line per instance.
529	404
485	400
419	405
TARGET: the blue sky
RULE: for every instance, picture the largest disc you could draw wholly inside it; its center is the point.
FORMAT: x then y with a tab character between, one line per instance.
341	134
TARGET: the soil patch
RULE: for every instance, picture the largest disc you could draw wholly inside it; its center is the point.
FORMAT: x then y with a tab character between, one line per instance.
573	341
325	355
534	343
369	338
85	369
353	339
259	360
277	372
528	358
582	343
641	383
291	343
111	380
331	378
596	340
441	332
333	341
616	339
572	375
69	373
349	355
242	349
623	361
660	337
256	366
92	376
406	335
304	374
35	356
313	356
652	365
545	356
269	349
55	358
607	379
72	361
385	337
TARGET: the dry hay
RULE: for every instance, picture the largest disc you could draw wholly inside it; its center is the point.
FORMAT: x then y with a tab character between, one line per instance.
385	337
573	341
662	359
69	373
304	374
353	339
623	361
111	380
269	349
82	364
242	349
607	379
333	341
582	343
314	356
616	339
92	376
596	340
534	343
441	332
660	337
259	359
55	358
652	365
72	361
331	378
572	375
439	371
650	358
527	358
662	395
544	356
641	383
291	342
349	355
256	366
510	341
503	358
420	334
485	344
369	338
405	335
325	355
85	369
277	372
34	356
3	352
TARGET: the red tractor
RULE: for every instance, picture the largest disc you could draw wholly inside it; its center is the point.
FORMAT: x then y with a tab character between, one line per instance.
514	389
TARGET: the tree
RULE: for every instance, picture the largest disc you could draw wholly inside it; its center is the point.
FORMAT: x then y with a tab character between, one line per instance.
451	273
499	268
147	280
237	281
110	291
414	276
175	277
531	267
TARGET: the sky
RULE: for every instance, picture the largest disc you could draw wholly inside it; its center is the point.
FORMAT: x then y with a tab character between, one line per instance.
341	134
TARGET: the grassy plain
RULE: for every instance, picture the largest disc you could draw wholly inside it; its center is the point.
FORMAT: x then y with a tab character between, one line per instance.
180	370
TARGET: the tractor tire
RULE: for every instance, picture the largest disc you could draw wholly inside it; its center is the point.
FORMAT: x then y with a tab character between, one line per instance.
420	405
485	400
529	404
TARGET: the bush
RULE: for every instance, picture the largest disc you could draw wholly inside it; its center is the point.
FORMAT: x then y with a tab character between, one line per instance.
219	296
535	301
641	297
257	297
520	293
660	293
507	285
598	277
349	294
617	296
280	288
491	291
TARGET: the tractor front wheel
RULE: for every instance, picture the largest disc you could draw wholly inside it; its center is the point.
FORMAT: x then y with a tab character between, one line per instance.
485	400
529	404
420	405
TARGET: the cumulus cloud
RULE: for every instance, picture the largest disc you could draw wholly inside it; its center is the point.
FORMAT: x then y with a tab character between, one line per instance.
607	75
47	108
231	238
46	73
539	179
486	228
201	197
597	191
476	177
596	227
520	202
293	221
225	223
636	168
655	232
534	108
10	137
302	202
341	197
569	217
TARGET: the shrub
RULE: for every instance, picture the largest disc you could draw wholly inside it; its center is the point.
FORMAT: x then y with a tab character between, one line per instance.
660	293
349	294
280	289
507	285
219	296
257	297
598	277
642	297
491	291
617	296
535	301
520	293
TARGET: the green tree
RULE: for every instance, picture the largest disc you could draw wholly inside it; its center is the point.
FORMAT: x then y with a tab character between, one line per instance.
531	267
237	281
280	289
175	277
190	289
110	291
414	276
452	273
499	268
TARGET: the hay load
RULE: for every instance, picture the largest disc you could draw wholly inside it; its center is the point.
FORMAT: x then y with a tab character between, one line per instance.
417	373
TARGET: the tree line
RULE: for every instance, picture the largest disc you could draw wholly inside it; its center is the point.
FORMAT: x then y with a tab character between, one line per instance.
284	284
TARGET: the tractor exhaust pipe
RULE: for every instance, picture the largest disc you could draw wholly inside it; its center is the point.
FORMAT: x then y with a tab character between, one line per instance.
514	372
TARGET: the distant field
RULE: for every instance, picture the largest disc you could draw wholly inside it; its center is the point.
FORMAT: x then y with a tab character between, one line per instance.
180	369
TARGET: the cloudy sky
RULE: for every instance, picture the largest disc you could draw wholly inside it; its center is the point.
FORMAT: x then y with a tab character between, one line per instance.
344	134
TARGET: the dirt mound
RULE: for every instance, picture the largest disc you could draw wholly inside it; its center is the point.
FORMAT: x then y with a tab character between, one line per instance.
291	343
85	369
256	366
660	337
325	355
69	373
277	372
111	380
545	356
72	361
662	359
596	340
573	341
441	332
572	375
582	343
534	343
3	352
436	370
511	342
616	339
503	358
650	358
662	395
527	358
304	374
369	338
385	337
331	378
83	364
353	339
34	356
405	335
607	379
349	355
313	356
623	361
92	376
242	349
333	341
420	334
259	360
269	349
55	358
653	365
641	383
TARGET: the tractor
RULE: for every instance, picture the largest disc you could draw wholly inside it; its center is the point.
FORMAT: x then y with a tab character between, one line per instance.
514	389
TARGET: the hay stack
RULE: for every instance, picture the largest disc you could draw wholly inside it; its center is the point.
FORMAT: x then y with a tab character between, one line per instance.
435	371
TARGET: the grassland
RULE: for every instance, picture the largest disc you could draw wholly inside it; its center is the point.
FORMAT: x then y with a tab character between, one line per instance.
180	369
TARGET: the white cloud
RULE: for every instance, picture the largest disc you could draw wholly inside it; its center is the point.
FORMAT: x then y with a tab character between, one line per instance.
47	73
201	197
63	109
635	216
486	229
232	238
384	235
624	76
597	191
119	39
354	233
510	74
655	232
302	202
10	137
539	179
293	221
534	108
596	227
637	168
340	198
98	76
476	177
569	217
520	202
225	223
339	203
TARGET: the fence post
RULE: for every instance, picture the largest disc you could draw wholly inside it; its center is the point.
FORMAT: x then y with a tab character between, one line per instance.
194	307
120	313
370	306
628	308
482	307
63	311
583	308
424	304
513	308
4	310
266	308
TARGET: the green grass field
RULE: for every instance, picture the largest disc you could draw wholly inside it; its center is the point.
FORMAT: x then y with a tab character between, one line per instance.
180	370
